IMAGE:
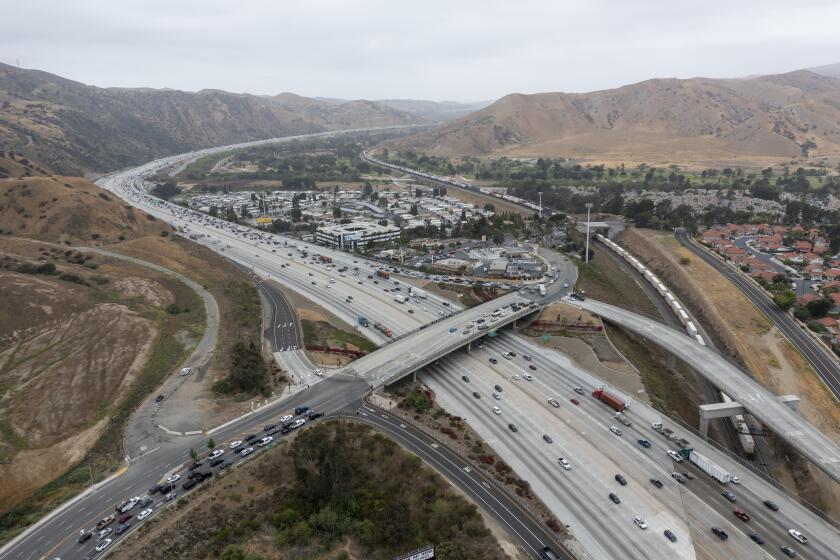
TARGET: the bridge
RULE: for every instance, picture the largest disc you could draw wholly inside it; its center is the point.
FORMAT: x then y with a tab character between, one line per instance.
411	352
755	399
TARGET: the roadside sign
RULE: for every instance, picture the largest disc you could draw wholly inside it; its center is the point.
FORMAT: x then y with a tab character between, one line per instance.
426	553
546	337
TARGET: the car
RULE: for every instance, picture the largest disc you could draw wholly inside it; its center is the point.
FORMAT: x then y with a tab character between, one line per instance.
789	552
513	428
614	497
741	514
185	371
578	390
640	523
498	388
615	430
564	463
656	482
528	376
166	488
798	537
195	465
84	536
678	477
265	441
246	451
574	401
286	418
497	410
720	533
729	496
494	361
268	428
497	396
225	465
103	545
216	462
547	438
154	489
565	285
644	443
172	479
554	402
218	453
757	538
144	514
104	533
674	455
124	518
532	366
453	329
314	415
235	444
476	395
465	378
517	376
250	437
171	496
190	484
301	409
621	480
770	505
734	479
160	398
121	529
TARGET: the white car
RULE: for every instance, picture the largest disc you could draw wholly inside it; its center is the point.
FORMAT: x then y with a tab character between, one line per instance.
640	522
144	514
265	441
247	451
186	371
734	479
131	503
497	396
800	538
216	453
517	376
286	418
565	285
317	372
173	478
553	402
298	423
497	410
528	376
674	455
564	463
104	533
235	444
103	545
615	430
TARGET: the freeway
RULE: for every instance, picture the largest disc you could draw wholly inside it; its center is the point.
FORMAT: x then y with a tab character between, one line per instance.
757	400
824	364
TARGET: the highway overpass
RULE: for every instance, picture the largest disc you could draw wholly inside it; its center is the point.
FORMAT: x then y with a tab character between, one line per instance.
411	352
757	400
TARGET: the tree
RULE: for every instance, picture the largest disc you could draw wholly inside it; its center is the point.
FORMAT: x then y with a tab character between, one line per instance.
166	190
296	214
488	207
413	209
784	300
336	212
193	454
819	307
211	444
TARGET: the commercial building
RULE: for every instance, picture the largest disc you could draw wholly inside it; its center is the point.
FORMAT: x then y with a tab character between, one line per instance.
355	234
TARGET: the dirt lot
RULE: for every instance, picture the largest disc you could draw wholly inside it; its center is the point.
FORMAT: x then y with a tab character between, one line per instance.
744	332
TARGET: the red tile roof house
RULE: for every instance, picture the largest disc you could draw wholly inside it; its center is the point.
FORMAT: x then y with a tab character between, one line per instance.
829	324
832	274
765	275
802	300
732	251
802	246
814	271
835	300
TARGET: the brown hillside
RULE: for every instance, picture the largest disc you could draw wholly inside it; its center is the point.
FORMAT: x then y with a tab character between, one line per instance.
71	210
72	127
743	121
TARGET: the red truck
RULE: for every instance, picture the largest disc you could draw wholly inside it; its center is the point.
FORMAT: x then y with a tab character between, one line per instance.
383	274
325	259
610	400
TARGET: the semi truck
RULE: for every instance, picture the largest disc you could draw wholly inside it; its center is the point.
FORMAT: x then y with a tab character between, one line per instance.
383	274
610	400
383	329
399	299
363	321
416	292
706	465
325	259
542	289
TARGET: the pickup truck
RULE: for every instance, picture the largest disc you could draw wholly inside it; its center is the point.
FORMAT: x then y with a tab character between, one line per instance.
105	521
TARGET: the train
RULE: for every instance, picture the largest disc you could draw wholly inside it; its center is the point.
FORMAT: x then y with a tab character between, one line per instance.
747	441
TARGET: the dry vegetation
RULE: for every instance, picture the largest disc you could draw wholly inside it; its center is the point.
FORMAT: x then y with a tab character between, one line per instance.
745	333
336	491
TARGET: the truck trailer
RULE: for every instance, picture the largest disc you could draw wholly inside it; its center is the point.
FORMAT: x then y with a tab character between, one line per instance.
383	329
325	259
610	400
383	274
542	289
706	465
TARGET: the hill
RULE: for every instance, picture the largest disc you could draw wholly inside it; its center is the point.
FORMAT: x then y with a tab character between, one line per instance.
72	127
750	121
431	111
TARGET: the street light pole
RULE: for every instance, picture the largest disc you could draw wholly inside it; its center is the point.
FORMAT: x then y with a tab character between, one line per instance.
588	208
541	205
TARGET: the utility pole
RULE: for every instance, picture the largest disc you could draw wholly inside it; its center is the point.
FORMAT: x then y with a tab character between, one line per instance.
540	205
588	208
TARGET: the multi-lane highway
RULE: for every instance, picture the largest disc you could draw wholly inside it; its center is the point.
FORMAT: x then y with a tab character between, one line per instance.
825	366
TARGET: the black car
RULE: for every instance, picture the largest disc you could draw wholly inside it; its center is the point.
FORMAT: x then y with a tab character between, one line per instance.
465	378
498	388
195	465
154	489
84	537
771	505
615	499
532	366
314	415
513	354
670	536
272	431
728	495
250	437
226	464
547	438
513	428
621	480
547	554
193	474
216	461
789	552
121	529
189	485
144	502
160	398
656	482
494	361
166	488
286	429
301	409
757	538
476	395
721	534
202	476
269	427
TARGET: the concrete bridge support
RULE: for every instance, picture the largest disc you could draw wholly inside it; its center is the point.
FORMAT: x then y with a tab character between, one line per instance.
729	409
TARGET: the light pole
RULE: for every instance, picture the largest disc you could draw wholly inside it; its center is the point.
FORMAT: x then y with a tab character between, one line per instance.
588	208
540	205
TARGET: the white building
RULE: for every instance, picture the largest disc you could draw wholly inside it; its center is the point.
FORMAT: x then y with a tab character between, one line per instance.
355	234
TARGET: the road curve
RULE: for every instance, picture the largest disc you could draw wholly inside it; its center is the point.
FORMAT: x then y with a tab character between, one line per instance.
816	355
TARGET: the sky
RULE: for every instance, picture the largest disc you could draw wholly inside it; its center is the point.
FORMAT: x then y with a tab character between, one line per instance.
461	50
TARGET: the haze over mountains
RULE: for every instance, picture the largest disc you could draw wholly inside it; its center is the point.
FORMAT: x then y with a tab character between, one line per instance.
749	121
72	127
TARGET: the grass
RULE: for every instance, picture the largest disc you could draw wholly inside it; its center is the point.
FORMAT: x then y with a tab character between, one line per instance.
202	166
467	299
603	279
321	333
246	309
106	455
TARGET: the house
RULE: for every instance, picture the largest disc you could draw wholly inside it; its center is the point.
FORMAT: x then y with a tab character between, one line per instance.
814	272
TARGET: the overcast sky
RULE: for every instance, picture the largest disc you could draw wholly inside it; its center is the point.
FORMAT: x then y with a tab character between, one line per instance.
463	50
